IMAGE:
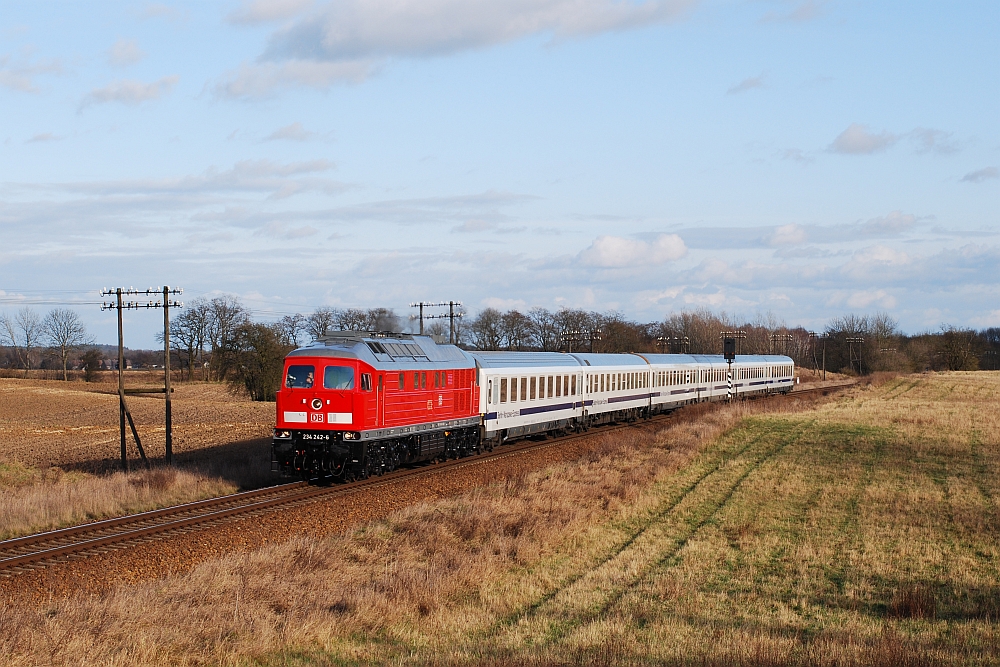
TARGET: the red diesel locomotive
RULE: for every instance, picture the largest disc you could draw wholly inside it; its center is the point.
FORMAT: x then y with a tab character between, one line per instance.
357	404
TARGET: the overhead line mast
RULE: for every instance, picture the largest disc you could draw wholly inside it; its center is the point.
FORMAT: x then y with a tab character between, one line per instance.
123	411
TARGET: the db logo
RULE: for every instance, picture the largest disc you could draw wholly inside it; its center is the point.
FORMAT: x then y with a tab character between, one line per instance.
316	417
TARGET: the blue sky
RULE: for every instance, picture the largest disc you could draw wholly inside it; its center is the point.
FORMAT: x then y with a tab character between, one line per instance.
801	158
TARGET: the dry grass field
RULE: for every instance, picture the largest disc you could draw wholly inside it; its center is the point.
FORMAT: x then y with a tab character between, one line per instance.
59	450
855	531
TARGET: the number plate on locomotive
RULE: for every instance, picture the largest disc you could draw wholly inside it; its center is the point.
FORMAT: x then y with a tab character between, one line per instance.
315	436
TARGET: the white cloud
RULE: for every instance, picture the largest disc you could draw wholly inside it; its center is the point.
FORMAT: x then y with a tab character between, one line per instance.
125	52
893	224
293	132
934	141
798	155
265	79
619	252
504	304
990	319
867	298
349	40
42	138
981	175
747	84
130	92
788	235
266	176
859	140
158	10
472	226
20	77
265	11
281	231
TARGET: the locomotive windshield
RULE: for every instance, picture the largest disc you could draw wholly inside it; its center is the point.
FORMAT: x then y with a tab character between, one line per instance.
300	377
338	377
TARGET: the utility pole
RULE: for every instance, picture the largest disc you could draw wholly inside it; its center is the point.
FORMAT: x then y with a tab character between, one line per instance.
451	315
851	342
785	339
421	305
124	412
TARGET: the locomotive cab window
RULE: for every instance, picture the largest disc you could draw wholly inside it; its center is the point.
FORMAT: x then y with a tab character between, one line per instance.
338	377
300	377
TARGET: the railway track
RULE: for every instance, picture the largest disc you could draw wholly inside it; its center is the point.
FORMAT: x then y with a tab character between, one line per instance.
33	552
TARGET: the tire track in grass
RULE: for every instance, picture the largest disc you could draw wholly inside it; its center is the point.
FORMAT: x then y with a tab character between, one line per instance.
594	591
634	529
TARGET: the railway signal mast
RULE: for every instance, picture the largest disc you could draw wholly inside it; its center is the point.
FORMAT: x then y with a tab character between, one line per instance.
729	352
123	412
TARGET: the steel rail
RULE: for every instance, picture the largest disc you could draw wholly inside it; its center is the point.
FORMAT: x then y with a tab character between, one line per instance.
51	546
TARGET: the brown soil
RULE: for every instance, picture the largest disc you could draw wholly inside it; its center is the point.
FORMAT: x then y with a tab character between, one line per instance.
74	425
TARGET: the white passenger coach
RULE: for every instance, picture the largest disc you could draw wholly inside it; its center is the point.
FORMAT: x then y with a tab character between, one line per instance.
530	392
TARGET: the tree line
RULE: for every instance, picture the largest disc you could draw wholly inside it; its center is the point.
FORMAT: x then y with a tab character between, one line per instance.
219	340
28	337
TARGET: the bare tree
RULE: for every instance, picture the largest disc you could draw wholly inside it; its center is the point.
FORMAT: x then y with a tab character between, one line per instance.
515	330
23	333
224	315
66	333
544	330
323	321
187	334
486	329
290	329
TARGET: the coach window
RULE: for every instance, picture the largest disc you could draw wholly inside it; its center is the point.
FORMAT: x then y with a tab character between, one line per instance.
338	377
549	392
533	384
524	389
503	390
558	385
489	392
572	385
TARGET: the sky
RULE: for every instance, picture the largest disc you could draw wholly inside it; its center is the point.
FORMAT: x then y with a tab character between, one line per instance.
804	159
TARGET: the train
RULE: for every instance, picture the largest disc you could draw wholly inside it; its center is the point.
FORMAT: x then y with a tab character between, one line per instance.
355	404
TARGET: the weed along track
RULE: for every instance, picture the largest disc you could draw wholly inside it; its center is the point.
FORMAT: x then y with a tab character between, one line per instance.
77	544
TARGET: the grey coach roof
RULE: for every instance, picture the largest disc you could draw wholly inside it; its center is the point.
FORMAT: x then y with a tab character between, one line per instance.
523	359
592	359
716	359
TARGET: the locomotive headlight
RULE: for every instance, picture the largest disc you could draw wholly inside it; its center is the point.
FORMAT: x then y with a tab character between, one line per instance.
282	434
350	436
